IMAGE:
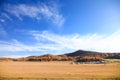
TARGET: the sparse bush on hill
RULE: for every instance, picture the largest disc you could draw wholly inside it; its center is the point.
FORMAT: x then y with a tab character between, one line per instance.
78	55
88	59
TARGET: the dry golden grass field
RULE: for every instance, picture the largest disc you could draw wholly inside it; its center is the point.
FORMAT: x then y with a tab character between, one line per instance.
58	71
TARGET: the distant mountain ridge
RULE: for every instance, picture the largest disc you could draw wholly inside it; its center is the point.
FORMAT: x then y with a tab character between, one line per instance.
66	57
82	53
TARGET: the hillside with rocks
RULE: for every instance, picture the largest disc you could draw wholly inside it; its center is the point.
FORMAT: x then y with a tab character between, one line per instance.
77	55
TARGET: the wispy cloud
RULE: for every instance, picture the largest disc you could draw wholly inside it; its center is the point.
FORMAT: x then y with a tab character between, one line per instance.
2	31
17	46
47	42
37	11
5	15
95	42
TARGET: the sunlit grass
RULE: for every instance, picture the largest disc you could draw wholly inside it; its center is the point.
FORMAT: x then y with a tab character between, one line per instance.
58	71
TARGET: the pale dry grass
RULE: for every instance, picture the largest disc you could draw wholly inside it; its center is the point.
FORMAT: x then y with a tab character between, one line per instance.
57	70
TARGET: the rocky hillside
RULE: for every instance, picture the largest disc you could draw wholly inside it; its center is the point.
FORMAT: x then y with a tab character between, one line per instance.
82	53
67	57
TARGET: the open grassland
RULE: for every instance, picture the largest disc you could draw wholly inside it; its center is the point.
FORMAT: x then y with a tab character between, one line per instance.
58	71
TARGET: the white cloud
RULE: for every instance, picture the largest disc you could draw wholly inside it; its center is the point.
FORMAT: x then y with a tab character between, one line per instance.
95	42
38	11
14	56
16	46
47	42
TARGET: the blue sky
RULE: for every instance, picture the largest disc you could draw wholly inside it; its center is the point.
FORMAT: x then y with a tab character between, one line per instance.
36	27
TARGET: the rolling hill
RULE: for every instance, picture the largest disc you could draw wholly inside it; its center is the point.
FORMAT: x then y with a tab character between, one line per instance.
66	57
83	53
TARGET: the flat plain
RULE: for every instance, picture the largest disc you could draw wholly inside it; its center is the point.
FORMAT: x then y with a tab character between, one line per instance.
55	70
